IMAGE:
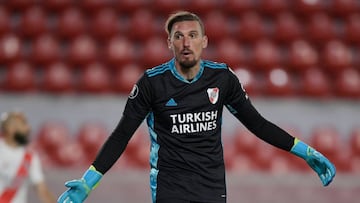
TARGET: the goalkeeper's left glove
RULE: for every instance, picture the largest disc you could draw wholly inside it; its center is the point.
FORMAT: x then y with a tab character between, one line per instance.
79	189
318	162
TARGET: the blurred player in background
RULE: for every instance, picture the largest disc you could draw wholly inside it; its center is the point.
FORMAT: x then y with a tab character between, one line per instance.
183	102
19	166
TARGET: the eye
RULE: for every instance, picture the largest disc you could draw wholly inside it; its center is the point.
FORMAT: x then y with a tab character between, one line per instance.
193	35
178	36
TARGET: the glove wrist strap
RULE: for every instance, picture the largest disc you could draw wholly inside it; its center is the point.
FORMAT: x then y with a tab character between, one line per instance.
92	177
300	149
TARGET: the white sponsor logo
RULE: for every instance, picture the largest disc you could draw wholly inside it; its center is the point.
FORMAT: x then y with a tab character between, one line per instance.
193	122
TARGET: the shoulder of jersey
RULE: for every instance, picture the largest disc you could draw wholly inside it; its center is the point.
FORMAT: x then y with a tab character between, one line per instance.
214	65
157	70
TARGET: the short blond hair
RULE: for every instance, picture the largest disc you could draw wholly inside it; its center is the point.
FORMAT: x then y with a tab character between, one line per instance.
182	16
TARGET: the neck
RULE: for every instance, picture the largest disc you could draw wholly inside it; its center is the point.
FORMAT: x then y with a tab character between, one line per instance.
188	73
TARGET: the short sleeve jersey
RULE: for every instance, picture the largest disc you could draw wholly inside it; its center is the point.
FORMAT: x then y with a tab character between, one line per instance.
10	160
184	120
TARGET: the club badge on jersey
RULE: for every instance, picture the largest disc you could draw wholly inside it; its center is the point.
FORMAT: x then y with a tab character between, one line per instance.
213	94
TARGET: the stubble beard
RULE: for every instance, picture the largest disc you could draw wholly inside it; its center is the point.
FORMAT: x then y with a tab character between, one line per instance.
187	64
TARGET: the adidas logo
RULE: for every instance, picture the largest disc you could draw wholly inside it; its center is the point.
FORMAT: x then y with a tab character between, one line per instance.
171	102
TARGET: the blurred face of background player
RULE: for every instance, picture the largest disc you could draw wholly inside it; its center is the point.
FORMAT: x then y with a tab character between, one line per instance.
187	42
15	129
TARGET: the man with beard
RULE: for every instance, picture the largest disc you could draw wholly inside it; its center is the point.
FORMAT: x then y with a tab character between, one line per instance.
182	101
18	165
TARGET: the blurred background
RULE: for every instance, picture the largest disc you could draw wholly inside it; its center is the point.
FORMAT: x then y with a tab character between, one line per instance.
70	64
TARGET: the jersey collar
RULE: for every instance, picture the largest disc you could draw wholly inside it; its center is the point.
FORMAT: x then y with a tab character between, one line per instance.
181	78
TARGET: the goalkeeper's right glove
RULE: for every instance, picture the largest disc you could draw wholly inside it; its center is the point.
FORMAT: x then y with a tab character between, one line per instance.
81	188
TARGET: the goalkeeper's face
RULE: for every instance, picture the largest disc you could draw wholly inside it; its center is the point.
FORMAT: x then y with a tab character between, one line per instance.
187	41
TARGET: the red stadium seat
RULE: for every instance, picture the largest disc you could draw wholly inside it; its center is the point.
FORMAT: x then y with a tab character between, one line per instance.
315	83
344	8
33	22
264	155
287	28
236	7
45	50
93	6
82	51
105	24
265	55
354	141
230	52
279	83
19	5
215	21
321	28
306	8
282	163
355	165
248	80
336	56
91	136
56	5
347	83
138	148
202	7
273	7
326	139
95	78
155	52
71	23
130	6
142	25
352	29
229	151
302	56
58	78
245	142
126	77
119	51
242	164
52	135
11	48
5	23
71	155
166	7
250	28
20	77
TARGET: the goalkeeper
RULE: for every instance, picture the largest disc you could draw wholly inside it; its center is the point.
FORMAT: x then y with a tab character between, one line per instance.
182	101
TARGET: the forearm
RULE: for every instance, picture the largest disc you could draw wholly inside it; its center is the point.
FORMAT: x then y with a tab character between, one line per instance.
44	194
115	144
263	128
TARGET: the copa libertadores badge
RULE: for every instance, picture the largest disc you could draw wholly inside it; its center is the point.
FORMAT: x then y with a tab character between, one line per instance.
134	92
213	94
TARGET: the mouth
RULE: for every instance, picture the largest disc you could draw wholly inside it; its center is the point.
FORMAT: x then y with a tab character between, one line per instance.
186	52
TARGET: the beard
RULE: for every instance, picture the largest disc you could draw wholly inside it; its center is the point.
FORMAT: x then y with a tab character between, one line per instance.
187	64
21	138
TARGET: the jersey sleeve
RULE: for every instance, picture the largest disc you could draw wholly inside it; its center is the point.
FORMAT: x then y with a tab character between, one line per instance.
35	170
139	101
241	107
236	95
136	109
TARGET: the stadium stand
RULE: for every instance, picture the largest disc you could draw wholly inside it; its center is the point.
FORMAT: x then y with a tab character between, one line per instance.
278	48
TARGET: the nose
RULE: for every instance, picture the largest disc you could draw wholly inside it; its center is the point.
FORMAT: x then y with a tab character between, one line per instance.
186	41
